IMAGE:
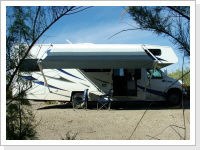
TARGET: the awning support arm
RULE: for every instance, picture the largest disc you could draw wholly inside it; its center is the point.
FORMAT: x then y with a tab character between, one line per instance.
90	81
41	70
156	63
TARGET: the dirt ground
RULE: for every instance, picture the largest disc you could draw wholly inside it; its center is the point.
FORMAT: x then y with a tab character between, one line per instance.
56	121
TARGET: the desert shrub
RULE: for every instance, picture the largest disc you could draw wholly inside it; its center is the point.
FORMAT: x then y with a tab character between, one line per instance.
69	137
51	102
178	74
20	124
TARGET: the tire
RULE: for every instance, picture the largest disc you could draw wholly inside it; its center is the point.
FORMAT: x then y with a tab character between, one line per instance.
174	98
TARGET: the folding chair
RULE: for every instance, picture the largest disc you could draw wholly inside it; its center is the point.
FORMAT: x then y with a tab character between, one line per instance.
105	100
80	101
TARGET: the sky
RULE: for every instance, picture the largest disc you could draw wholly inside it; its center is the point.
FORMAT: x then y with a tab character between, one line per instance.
99	23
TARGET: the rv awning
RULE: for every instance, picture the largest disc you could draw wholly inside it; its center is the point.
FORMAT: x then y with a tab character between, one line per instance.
96	61
98	58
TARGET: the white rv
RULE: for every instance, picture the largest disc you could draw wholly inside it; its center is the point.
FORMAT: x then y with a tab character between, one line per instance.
60	71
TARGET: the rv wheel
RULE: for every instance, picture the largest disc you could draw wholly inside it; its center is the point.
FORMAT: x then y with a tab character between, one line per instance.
174	98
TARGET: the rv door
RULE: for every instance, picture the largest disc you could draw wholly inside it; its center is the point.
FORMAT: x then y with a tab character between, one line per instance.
125	81
119	82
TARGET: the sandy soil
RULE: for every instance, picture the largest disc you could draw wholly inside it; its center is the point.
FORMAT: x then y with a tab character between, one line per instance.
55	121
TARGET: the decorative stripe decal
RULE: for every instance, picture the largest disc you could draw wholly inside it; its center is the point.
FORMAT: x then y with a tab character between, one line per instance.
40	82
59	79
157	58
48	51
28	78
159	93
69	74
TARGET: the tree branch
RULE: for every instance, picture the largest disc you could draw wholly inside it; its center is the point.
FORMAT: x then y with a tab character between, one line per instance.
172	8
34	23
34	41
176	39
79	10
123	31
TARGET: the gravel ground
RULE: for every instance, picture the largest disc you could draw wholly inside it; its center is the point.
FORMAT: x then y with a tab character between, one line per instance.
55	121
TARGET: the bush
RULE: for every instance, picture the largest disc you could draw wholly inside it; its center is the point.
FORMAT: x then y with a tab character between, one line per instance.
178	74
19	122
68	137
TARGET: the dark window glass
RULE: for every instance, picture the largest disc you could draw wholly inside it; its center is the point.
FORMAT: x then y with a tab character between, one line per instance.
118	72
156	52
156	75
137	74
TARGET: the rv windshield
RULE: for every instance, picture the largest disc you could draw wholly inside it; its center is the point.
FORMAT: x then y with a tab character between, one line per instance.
156	75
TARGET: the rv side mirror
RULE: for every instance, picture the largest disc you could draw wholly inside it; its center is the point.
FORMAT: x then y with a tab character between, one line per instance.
165	73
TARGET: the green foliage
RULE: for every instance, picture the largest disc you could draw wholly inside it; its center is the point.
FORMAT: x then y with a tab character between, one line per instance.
20	124
179	73
51	102
24	26
167	21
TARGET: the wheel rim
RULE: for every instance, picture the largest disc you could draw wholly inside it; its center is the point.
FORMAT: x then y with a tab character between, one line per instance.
174	99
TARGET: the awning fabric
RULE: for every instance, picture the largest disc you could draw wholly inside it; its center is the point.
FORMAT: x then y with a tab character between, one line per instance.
90	57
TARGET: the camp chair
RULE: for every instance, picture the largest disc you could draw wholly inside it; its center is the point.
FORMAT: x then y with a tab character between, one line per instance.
80	101
105	100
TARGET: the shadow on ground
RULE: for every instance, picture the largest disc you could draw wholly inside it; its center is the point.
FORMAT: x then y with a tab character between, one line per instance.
136	105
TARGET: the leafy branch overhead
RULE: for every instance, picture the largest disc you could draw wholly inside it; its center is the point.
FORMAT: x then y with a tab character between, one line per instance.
25	25
167	21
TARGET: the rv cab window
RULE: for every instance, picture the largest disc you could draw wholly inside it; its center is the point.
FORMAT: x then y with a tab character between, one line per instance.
157	74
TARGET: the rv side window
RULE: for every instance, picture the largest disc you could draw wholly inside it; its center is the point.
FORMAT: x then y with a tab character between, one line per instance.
156	75
156	52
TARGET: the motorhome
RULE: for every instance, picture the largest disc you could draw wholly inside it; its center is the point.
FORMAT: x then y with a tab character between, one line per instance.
60	71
